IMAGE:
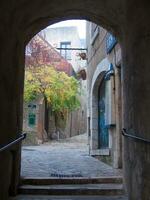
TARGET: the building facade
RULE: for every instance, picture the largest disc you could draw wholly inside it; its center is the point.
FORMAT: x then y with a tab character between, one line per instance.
63	39
104	95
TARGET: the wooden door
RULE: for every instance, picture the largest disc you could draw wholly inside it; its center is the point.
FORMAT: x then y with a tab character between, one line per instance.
103	130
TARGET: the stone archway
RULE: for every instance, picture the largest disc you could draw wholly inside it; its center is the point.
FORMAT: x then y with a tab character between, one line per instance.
25	27
102	67
41	15
20	20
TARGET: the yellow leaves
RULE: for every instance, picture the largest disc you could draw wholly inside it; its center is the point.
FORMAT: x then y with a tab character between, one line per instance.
60	90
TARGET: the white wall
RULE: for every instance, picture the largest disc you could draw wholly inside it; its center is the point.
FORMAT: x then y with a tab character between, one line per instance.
65	34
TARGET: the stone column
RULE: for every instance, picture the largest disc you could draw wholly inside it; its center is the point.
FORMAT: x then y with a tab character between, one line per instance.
136	109
118	114
11	90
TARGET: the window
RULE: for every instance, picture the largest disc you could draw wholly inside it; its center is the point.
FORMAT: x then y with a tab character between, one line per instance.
94	32
32	106
64	52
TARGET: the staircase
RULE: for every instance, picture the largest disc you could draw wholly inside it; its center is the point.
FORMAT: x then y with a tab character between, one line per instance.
72	186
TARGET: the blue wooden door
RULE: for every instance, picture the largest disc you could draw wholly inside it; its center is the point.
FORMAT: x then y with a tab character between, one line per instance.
103	130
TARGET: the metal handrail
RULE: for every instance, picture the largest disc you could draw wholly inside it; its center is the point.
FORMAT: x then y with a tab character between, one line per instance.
124	133
10	144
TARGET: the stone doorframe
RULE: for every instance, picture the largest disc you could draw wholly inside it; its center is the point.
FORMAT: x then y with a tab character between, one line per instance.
101	68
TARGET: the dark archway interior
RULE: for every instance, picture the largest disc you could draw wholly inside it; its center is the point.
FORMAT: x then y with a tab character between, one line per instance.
22	19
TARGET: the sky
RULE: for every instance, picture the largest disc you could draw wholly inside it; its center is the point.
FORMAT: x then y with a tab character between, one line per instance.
80	24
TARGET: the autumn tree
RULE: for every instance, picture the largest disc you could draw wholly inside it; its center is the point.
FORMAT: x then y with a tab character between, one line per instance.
48	75
57	88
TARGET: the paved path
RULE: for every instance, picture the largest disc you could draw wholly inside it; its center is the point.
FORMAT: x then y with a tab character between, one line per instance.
65	158
26	197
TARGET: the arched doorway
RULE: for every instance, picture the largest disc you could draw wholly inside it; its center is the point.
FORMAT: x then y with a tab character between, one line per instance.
105	114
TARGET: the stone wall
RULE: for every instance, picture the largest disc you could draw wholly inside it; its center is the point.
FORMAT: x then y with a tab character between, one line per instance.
73	124
34	122
30	108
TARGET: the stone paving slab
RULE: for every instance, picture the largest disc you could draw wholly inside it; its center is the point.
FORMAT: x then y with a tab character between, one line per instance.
34	197
68	158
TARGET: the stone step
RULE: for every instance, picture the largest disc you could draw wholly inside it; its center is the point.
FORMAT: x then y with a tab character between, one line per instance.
66	180
77	189
70	197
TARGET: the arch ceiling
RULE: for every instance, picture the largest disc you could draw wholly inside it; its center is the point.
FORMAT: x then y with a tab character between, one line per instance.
32	16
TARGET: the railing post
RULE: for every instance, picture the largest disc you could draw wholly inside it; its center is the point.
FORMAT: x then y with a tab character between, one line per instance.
14	149
16	166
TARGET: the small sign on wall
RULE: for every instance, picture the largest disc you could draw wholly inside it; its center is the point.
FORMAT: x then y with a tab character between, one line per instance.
110	42
31	119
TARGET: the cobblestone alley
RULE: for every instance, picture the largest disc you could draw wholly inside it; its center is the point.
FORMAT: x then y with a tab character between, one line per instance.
64	158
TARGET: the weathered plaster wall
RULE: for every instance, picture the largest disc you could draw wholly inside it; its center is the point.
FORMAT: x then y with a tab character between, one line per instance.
96	53
74	123
129	20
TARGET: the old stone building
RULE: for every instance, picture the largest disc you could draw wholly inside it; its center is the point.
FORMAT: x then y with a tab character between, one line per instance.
129	21
40	52
104	95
